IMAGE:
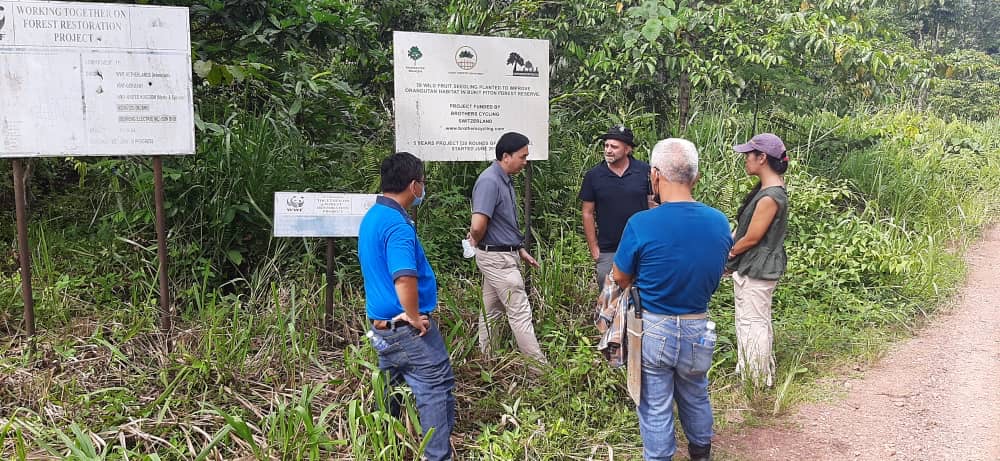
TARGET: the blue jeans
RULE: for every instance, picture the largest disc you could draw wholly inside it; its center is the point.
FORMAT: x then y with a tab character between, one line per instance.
422	362
674	368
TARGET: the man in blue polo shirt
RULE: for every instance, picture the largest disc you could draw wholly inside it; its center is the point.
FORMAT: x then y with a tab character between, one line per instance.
675	255
612	192
400	294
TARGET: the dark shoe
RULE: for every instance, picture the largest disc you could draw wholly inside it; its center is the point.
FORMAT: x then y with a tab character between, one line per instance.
699	453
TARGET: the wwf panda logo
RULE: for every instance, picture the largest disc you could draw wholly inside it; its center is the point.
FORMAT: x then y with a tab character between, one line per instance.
295	201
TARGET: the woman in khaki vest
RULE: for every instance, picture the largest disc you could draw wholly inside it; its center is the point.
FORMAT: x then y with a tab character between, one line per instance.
758	258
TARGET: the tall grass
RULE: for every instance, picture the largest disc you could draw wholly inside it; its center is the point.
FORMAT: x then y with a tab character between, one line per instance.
882	207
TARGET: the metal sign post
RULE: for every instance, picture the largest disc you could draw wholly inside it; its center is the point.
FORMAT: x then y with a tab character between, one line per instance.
455	95
330	279
326	215
105	79
23	250
161	244
527	222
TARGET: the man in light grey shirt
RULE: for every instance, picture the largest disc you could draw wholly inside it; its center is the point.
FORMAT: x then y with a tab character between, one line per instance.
494	231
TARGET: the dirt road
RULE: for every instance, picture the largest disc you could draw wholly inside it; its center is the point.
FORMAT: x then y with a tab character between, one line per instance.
936	396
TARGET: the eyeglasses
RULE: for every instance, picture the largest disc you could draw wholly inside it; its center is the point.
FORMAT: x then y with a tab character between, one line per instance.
421	181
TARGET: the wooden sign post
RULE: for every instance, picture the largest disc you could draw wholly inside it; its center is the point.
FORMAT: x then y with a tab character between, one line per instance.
122	88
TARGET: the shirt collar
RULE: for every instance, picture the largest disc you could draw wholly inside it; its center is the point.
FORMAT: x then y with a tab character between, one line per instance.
386	201
633	167
500	172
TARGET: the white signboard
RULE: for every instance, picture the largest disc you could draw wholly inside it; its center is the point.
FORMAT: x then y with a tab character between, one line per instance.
456	94
94	79
309	214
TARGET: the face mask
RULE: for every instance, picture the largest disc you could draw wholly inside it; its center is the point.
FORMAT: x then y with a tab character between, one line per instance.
417	200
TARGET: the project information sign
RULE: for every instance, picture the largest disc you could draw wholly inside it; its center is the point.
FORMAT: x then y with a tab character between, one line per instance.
456	94
94	79
310	214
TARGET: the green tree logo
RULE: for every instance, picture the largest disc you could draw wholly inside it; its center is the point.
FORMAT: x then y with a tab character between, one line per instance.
414	54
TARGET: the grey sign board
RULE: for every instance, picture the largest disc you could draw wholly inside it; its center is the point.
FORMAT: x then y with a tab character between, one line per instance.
315	214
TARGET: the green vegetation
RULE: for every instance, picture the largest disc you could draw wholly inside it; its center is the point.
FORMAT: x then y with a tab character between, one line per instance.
890	112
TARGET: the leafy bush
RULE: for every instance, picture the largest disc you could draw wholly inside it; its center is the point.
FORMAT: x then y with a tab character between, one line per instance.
970	87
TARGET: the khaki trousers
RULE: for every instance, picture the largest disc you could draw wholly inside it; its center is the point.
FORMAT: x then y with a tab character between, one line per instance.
503	293
754	334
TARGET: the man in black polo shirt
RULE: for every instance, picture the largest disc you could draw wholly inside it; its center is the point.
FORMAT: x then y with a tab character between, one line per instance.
612	192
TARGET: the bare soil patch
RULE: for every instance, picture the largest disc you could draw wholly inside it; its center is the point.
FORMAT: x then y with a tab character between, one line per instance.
935	396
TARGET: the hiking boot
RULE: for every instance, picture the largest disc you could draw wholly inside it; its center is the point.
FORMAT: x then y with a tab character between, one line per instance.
700	453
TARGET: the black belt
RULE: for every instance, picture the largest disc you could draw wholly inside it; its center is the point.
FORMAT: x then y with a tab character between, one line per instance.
485	247
392	325
389	325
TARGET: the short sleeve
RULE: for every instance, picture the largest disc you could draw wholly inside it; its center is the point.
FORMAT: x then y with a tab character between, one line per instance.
485	196
627	255
401	257
587	189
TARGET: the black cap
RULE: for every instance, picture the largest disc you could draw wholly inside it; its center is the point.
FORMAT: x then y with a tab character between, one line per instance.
619	133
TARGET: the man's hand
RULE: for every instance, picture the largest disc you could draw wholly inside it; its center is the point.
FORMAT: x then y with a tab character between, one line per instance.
421	323
595	252
622	279
406	291
527	258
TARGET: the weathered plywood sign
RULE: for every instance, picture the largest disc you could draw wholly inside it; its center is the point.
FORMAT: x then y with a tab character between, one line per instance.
94	79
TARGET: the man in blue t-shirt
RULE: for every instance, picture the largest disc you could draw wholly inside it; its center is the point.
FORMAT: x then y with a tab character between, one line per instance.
675	255
400	294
